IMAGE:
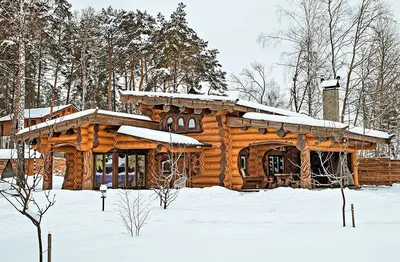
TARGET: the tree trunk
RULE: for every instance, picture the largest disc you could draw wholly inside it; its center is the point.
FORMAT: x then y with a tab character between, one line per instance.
70	82
142	75
20	98
40	243
54	87
110	79
114	94
343	198
38	83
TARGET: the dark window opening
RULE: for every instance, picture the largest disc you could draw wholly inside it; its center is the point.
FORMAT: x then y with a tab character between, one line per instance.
32	122
275	165
166	166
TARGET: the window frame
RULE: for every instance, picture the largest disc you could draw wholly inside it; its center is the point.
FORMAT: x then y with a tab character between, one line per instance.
276	159
176	128
115	167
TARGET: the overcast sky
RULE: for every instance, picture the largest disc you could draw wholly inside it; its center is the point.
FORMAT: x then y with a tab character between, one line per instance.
231	26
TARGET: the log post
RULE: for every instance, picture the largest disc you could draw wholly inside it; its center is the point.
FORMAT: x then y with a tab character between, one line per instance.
49	247
87	183
48	171
354	167
305	169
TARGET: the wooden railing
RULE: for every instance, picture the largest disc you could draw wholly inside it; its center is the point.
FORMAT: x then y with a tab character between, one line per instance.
378	171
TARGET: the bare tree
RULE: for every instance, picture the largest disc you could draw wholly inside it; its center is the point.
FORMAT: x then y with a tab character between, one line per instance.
254	85
20	193
133	210
307	60
367	12
163	182
334	171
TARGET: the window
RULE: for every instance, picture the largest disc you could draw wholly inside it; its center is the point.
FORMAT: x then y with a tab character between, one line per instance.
275	165
170	123
108	168
99	170
181	123
166	166
120	169
32	122
192	123
55	117
243	162
5	142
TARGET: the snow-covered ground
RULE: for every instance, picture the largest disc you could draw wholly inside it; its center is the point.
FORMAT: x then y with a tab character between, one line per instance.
215	224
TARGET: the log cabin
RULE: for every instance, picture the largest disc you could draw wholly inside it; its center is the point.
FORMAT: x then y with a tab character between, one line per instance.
221	141
32	116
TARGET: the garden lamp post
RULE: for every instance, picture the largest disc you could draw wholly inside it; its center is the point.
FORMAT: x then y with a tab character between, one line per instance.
103	190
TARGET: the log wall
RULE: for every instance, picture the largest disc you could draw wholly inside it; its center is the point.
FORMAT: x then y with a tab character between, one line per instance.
378	171
74	174
216	160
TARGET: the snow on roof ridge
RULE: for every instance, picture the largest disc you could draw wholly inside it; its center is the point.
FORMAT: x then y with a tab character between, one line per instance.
81	114
180	95
157	135
233	96
309	121
316	122
271	109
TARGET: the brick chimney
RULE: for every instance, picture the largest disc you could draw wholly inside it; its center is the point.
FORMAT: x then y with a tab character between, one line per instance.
330	99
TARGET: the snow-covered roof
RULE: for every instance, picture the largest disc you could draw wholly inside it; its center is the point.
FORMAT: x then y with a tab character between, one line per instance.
294	120
317	123
160	136
36	112
369	132
82	114
271	109
12	154
330	83
179	95
232	97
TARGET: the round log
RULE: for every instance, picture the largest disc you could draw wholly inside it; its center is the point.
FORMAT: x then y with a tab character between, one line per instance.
102	149
91	128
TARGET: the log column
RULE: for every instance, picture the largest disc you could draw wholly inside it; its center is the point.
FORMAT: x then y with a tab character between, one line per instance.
305	169
354	167
48	171
87	182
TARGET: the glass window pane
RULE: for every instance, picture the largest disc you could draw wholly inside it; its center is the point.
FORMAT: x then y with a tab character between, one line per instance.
192	123
181	123
243	162
166	166
99	168
141	169
121	170
170	123
108	166
131	171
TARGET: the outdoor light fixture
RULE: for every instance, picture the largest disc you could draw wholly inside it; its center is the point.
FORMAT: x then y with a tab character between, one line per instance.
103	190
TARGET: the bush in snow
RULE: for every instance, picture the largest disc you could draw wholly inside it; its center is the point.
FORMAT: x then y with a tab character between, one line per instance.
133	210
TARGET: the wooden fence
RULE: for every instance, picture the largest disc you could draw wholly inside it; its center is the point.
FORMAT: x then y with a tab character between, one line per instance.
378	171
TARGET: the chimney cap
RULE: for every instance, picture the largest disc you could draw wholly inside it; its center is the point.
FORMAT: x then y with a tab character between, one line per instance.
333	83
